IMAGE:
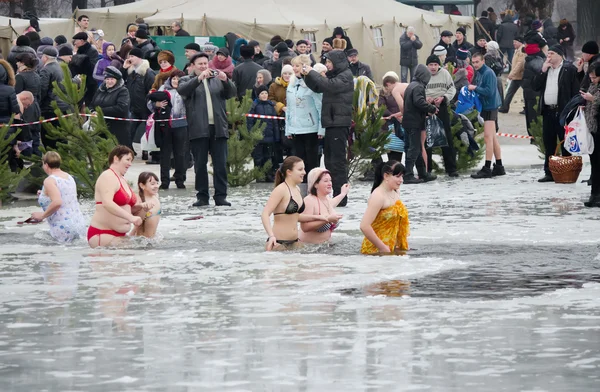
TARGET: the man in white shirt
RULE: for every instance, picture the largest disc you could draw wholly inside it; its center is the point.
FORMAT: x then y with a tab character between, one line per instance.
557	84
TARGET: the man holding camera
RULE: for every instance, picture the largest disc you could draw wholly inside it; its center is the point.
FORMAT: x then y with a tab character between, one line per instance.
205	93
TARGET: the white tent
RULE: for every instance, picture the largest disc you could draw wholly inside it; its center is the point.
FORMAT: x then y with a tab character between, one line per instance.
374	27
11	28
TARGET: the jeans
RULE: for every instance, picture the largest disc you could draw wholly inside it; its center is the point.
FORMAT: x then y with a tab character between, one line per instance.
412	137
449	153
553	132
335	150
510	52
217	148
404	73
512	90
306	147
175	140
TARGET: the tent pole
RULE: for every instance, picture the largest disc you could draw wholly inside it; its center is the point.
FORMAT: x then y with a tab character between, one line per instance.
252	29
204	29
292	27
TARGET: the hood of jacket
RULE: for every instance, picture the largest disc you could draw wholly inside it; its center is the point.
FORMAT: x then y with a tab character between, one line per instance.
105	46
339	60
507	19
22	49
104	89
422	74
7	75
141	69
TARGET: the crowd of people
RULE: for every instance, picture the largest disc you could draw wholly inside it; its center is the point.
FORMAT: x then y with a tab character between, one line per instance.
310	96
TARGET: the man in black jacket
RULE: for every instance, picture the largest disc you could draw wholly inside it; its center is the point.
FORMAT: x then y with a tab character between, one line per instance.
244	74
259	58
461	40
336	114
489	27
410	44
505	35
179	32
445	42
589	55
51	72
356	67
557	83
533	66
84	47
416	109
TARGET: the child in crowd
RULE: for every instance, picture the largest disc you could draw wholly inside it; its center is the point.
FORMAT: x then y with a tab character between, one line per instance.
263	152
148	191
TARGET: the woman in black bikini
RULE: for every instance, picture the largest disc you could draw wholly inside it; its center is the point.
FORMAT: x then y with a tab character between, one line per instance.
286	205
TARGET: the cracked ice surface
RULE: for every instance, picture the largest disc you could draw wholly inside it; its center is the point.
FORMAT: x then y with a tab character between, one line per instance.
503	295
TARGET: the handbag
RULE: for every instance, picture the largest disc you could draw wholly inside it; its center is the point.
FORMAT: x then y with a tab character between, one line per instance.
578	138
436	135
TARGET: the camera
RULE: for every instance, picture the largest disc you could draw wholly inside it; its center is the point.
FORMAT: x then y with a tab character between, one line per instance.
214	73
304	68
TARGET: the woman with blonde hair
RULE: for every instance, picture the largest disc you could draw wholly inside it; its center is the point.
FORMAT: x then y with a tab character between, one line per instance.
58	199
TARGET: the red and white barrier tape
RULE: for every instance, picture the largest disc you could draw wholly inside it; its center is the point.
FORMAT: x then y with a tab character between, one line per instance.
38	122
265	116
515	136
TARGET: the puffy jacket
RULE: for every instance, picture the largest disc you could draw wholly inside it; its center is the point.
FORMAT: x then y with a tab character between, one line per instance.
139	82
568	86
533	66
8	97
104	62
176	106
15	50
146	47
90	51
278	94
271	132
487	88
337	89
114	102
28	81
518	65
303	114
51	72
408	50
416	107
506	34
244	76
194	96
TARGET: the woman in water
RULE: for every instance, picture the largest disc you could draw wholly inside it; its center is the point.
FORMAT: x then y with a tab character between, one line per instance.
116	202
286	204
58	199
385	223
318	203
148	191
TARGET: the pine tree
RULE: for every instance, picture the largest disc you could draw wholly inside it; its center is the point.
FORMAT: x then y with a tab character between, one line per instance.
8	180
242	142
84	153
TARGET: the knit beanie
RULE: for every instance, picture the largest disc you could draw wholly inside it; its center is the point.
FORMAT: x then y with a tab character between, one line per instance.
192	46
64	50
281	47
329	40
536	25
142	34
557	49
224	51
137	52
590	47
391	73
60	39
433	59
320	68
462	30
462	54
261	88
23	40
440	51
287	69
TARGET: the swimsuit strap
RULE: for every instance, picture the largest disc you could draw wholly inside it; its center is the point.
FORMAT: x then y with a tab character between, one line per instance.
121	184
289	189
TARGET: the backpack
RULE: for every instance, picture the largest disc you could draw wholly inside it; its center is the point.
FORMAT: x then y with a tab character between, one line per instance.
495	64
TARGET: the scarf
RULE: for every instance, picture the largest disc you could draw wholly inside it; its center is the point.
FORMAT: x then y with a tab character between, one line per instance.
281	82
166	70
592	108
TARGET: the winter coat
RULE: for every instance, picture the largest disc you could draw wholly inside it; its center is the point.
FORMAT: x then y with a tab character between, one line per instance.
114	102
337	89
182	33
361	69
90	51
278	64
450	52
8	98
303	114
533	36
489	27
194	96
278	94
176	106
139	82
583	76
568	86
51	72
271	132
146	47
102	64
487	88
408	51
567	32
550	32
518	65
81	64
28	81
260	58
416	107
506	33
466	45
224	66
592	109
244	76
14	51
533	66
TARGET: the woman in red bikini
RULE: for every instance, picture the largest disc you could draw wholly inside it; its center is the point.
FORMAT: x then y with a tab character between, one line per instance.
116	202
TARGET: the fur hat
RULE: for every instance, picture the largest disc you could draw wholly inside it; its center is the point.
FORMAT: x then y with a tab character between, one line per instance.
275	40
141	33
434	59
50	52
339	43
166	55
281	47
81	35
536	25
287	69
23	40
440	51
60	39
137	52
247	51
192	46
64	50
590	47
7	73
462	54
261	88
462	30
112	72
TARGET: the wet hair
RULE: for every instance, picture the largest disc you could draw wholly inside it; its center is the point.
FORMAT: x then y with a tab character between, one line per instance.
390	167
143	179
81	17
288	164
313	188
389	80
119	152
52	159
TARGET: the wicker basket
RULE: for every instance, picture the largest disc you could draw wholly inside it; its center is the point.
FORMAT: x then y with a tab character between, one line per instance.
565	170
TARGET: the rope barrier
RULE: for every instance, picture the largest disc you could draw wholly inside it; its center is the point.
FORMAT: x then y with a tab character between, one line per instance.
515	136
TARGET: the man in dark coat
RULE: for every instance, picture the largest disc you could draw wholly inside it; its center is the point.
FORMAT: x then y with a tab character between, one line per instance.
590	55
205	99
145	44
445	42
51	72
244	75
357	67
461	40
259	58
409	58
283	52
179	32
336	114
533	66
84	47
557	84
505	35
485	27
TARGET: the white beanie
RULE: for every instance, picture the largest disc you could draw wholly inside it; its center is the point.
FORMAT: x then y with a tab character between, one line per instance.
320	68
440	51
287	69
391	73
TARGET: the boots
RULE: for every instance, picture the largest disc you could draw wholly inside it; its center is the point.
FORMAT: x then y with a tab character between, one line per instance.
594	201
